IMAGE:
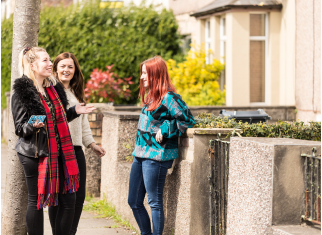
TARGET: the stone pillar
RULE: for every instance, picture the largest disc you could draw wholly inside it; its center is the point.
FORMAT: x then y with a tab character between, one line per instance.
266	183
119	132
93	162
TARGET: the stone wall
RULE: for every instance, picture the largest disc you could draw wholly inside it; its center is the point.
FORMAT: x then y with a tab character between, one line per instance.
186	191
283	113
265	179
93	167
266	183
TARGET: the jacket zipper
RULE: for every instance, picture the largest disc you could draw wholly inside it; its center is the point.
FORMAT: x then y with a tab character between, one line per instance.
36	145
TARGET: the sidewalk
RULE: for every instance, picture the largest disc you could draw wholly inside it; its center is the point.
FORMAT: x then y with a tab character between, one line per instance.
88	223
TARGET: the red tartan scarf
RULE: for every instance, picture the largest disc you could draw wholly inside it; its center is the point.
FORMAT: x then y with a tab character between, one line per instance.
48	174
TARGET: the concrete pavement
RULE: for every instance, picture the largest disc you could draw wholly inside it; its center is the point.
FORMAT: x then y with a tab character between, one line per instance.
88	223
297	230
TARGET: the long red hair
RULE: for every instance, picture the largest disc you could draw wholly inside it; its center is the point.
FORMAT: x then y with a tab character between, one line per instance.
159	82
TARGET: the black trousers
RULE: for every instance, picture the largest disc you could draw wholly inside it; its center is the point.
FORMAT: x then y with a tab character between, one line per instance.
54	211
34	217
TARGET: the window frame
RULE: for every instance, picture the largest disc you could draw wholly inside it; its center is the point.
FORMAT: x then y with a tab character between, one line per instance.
265	39
207	40
223	41
223	38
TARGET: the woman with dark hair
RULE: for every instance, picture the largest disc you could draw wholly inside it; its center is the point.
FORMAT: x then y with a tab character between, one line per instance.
164	117
45	148
67	71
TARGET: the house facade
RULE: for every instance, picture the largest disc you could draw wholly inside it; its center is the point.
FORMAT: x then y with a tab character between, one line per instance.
271	50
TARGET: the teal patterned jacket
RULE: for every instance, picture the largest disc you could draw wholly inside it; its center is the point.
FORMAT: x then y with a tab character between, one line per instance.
173	117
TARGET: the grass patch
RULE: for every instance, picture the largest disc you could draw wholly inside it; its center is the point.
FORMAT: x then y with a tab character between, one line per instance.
89	198
106	210
113	226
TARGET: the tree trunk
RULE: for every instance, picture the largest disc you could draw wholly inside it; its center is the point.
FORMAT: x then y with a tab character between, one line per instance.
25	33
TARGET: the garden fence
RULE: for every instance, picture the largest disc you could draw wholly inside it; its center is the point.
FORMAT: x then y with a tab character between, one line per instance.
218	179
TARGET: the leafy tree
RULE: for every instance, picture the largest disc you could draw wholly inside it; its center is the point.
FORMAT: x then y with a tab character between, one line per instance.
6	50
102	36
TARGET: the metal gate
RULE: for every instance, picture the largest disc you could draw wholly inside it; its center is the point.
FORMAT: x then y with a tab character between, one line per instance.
218	179
312	179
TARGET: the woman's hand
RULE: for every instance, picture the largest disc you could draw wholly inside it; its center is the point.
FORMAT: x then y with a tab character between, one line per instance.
38	125
99	151
82	109
159	137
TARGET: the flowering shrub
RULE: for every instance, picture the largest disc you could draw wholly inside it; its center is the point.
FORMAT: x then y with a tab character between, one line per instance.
196	81
106	86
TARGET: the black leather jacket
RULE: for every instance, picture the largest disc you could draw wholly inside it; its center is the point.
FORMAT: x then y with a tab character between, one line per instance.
26	102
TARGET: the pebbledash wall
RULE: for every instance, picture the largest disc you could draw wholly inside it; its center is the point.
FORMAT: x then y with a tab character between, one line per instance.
266	186
186	192
266	180
93	180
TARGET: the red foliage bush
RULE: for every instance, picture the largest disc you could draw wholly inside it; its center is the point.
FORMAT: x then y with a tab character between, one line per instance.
106	86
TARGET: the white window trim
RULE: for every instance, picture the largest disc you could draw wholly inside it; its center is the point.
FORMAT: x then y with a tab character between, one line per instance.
207	39
223	38
263	38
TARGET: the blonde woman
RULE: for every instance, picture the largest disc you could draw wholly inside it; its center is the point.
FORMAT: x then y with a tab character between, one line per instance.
45	149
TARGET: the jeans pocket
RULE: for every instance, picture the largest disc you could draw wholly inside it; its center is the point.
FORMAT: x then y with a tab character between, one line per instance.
167	164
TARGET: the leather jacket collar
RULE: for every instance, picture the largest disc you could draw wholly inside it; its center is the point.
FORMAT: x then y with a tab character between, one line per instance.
27	95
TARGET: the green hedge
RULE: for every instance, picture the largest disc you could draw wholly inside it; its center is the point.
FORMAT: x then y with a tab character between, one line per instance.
281	129
6	55
101	36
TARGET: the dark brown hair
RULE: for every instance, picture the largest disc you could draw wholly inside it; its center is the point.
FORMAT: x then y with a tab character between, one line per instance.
77	82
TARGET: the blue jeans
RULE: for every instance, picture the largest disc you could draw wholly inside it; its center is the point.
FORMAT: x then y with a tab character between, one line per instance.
148	176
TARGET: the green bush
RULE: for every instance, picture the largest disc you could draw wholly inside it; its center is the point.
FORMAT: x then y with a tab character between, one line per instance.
6	54
281	129
196	81
100	36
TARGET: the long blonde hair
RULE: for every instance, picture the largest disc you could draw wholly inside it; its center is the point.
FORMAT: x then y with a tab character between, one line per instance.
26	58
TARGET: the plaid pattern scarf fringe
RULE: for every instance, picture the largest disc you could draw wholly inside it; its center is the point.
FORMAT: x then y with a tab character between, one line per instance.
48	174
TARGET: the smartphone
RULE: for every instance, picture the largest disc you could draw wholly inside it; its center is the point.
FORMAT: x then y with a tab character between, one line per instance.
34	118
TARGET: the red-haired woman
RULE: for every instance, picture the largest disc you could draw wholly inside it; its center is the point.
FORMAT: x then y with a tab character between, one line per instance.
164	117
